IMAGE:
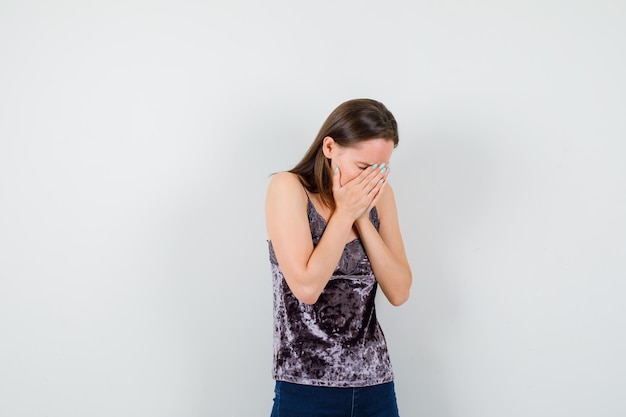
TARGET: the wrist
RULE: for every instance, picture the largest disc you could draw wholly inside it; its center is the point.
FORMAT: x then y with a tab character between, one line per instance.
343	217
362	220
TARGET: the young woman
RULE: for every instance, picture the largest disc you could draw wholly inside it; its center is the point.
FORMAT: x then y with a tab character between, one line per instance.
333	239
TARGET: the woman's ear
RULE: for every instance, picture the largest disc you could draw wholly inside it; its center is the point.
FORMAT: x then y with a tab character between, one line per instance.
328	146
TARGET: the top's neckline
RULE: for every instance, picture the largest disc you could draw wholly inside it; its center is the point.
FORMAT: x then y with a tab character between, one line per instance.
356	239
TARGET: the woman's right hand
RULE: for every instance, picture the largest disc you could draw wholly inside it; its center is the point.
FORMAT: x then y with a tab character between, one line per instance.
355	197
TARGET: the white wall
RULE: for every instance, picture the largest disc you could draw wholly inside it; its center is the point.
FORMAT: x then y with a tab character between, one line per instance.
136	139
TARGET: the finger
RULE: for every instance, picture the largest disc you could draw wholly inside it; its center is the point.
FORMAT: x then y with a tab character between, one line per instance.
378	187
336	179
367	174
375	188
383	180
386	174
377	191
376	180
378	194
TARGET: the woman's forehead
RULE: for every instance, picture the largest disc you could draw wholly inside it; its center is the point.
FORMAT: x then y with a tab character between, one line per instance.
373	148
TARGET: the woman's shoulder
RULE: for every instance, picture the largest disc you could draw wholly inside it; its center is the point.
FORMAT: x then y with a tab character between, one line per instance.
387	194
285	181
387	201
285	184
285	205
285	177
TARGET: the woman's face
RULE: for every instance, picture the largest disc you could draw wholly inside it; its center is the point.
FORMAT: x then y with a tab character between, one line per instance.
352	160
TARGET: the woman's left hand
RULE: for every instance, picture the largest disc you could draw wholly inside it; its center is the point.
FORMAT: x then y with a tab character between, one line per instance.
366	213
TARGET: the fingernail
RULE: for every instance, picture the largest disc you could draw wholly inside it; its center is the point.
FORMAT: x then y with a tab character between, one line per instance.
336	170
382	171
374	166
381	181
382	165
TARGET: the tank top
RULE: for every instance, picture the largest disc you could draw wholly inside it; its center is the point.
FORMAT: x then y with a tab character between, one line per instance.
337	341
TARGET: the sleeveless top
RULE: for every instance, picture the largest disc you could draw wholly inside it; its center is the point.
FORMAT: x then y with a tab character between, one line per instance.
337	341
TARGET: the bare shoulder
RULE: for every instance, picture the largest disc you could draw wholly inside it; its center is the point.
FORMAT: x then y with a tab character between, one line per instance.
285	206
387	201
284	184
284	180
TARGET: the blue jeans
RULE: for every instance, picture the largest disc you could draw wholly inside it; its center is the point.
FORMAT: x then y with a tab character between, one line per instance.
295	400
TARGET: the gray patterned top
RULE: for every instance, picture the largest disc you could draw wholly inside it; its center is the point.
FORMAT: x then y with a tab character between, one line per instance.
337	341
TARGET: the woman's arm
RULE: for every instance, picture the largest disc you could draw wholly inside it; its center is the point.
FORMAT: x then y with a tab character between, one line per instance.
306	269
385	249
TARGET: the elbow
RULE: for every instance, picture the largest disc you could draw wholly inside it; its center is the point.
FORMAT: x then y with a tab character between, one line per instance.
307	297
306	286
302	288
399	299
401	296
309	300
306	294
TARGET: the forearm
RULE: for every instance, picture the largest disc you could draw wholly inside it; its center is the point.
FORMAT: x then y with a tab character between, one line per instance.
324	258
391	270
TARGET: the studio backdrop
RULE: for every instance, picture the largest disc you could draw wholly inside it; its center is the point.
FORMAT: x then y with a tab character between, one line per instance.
137	139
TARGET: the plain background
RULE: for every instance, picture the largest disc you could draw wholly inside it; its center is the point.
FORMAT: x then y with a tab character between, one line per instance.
136	141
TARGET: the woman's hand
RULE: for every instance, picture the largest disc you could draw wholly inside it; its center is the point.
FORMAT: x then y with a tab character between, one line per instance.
359	195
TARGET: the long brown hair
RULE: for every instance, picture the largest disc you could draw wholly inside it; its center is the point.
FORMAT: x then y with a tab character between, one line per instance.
351	122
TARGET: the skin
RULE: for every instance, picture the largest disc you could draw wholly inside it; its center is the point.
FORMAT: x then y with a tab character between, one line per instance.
357	187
